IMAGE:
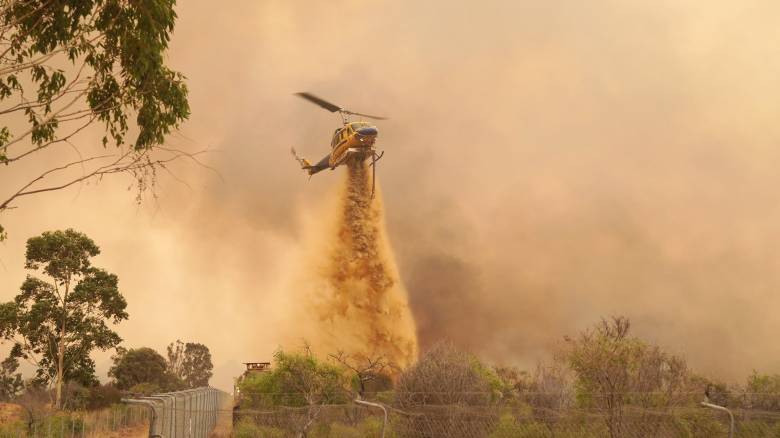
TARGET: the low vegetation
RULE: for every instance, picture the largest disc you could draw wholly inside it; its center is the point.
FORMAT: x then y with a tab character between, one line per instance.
604	382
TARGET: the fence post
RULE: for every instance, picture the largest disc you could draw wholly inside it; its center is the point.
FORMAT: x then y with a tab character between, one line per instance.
376	405
167	426
180	419
208	408
722	408
188	416
213	408
153	432
201	412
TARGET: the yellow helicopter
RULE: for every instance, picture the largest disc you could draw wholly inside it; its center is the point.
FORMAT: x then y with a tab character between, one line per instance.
353	142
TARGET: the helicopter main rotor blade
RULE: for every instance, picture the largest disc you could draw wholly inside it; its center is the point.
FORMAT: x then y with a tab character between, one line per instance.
320	102
364	115
332	107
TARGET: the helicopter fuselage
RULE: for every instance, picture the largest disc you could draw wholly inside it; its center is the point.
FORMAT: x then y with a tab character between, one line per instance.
353	141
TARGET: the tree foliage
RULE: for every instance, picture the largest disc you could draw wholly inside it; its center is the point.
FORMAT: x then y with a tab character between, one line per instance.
296	379
762	392
615	371
142	366
175	356
91	398
11	383
67	64
56	324
190	362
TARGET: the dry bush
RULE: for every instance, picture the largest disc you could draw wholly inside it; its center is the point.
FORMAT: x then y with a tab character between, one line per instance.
617	373
450	393
37	404
445	375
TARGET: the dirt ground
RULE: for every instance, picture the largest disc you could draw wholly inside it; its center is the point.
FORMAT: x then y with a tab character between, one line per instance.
139	431
224	428
10	412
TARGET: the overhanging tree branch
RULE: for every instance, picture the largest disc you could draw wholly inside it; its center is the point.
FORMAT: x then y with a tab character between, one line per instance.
121	82
129	162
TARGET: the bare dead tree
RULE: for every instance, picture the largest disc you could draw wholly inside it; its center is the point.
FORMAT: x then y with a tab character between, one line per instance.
444	375
366	369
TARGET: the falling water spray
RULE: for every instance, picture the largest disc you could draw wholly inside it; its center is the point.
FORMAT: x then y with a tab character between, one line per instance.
354	298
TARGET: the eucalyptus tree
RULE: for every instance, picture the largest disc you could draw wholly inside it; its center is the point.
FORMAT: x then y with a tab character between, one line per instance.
57	321
69	64
190	363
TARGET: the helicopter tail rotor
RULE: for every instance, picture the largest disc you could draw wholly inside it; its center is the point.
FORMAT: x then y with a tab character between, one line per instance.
310	168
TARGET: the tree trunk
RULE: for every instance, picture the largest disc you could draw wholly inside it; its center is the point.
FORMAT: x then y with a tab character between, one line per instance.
60	364
61	347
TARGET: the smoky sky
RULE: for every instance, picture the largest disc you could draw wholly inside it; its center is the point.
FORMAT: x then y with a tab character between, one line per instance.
547	163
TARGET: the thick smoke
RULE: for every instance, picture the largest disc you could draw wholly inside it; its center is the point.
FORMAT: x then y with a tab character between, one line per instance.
548	163
352	296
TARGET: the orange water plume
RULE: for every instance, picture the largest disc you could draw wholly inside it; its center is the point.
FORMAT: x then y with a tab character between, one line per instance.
358	303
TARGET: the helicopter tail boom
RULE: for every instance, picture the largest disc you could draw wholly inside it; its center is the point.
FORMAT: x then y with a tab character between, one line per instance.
311	168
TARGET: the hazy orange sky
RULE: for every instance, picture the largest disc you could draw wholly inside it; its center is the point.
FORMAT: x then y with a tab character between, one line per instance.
547	163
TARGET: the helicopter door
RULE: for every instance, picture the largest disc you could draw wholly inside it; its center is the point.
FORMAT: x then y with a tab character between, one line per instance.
337	136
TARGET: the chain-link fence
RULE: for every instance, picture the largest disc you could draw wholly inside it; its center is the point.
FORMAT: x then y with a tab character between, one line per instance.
494	421
117	421
191	413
